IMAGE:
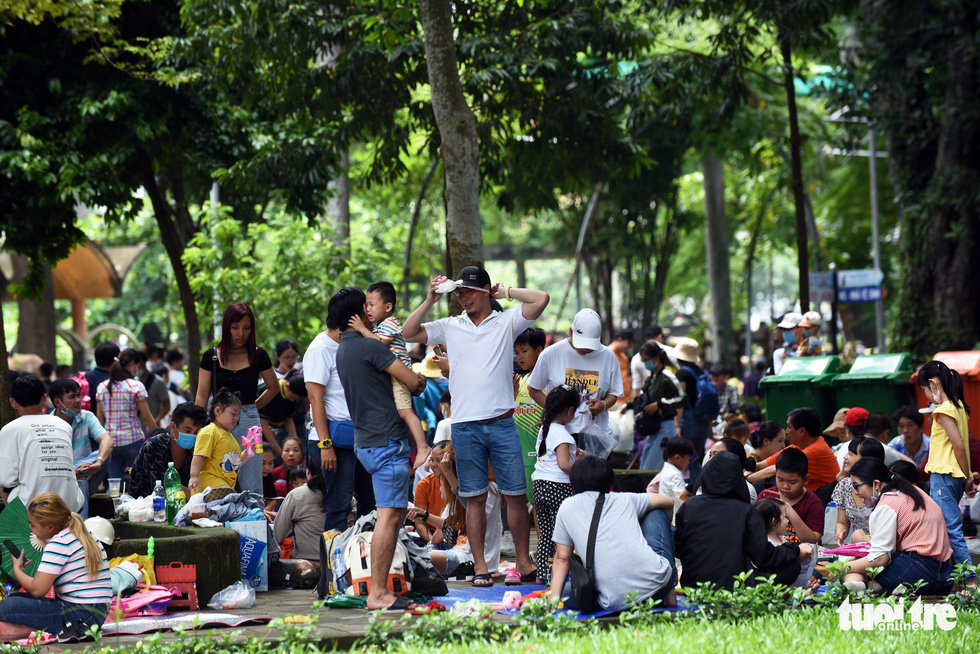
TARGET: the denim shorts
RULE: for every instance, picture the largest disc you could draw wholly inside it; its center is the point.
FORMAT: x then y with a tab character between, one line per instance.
497	441
391	472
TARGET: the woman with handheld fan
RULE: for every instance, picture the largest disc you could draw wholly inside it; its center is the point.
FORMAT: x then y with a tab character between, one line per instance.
73	563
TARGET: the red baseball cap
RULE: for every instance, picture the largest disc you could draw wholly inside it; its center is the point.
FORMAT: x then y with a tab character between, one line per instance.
855	417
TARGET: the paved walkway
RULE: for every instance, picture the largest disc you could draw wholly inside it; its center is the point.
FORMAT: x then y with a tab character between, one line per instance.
335	627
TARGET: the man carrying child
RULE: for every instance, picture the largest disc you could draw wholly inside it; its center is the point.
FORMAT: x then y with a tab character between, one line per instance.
480	345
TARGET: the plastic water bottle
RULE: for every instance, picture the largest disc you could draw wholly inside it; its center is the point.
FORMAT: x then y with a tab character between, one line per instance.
159	503
171	484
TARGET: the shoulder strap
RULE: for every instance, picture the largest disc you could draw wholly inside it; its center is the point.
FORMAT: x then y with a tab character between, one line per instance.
593	530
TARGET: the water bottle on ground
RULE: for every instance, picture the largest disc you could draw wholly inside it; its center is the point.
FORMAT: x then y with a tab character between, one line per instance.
159	503
171	484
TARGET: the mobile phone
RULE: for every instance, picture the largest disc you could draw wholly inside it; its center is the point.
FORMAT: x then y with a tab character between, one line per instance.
438	351
13	549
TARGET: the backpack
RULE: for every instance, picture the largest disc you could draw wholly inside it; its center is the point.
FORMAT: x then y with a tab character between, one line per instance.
357	558
706	403
85	392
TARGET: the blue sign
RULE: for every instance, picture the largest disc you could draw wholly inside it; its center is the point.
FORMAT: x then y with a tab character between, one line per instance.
864	294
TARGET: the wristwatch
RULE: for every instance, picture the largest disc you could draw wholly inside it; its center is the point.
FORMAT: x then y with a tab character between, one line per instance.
325	444
100	460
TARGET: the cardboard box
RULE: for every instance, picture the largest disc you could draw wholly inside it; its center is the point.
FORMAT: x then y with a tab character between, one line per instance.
253	552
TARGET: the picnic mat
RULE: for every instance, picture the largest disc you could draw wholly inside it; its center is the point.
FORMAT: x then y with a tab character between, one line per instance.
169	621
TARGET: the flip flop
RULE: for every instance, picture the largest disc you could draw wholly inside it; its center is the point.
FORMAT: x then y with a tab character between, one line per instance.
531	576
401	604
478	580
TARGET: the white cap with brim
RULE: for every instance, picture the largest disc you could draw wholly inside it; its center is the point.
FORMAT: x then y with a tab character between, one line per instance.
790	320
586	330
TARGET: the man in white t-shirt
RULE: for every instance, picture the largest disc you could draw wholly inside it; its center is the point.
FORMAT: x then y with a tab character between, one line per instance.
343	475
36	453
480	347
585	364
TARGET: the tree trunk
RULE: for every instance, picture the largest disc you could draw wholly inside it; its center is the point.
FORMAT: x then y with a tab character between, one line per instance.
37	321
797	167
719	273
460	149
174	241
338	208
6	410
407	269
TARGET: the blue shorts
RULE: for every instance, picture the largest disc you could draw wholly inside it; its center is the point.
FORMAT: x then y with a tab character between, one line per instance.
391	472
497	441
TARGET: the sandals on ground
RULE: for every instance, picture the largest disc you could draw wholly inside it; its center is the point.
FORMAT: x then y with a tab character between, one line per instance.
483	580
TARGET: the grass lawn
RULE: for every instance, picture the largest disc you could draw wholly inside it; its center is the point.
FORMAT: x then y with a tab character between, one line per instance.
803	631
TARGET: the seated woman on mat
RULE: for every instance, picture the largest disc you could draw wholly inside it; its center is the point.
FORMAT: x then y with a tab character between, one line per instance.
908	534
634	548
719	533
301	517
849	514
73	562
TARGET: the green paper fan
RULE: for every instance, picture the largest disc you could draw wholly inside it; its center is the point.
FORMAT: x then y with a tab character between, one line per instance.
15	527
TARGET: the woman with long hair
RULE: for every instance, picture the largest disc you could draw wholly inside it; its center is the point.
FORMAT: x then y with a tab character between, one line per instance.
908	533
121	405
656	406
73	562
949	457
237	363
301	517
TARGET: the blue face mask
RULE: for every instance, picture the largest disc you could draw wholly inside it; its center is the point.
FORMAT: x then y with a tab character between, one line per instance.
789	338
649	365
68	412
186	441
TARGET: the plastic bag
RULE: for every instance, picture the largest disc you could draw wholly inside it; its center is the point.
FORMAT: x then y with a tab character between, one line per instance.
237	596
595	441
140	510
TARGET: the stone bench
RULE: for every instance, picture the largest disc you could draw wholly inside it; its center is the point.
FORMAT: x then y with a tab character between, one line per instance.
214	550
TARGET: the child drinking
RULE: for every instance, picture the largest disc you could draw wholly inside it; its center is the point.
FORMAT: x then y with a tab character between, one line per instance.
556	453
217	455
379	308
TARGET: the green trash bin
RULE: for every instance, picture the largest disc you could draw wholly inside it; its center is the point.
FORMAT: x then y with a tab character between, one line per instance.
878	382
802	381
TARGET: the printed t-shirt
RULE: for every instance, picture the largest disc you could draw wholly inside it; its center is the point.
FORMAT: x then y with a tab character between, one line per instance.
223	457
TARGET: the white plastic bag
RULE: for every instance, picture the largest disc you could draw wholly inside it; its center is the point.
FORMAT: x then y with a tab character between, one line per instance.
141	510
237	596
596	442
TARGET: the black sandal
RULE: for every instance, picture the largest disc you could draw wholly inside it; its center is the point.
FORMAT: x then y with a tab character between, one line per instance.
481	578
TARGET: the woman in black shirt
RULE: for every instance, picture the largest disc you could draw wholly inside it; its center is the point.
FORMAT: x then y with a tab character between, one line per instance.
236	364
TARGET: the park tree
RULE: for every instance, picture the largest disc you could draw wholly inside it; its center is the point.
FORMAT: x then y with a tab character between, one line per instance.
916	74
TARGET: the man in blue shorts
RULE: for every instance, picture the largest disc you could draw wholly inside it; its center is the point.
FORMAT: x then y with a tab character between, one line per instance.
480	347
381	439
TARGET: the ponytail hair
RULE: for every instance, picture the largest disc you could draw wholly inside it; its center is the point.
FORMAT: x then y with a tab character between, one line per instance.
51	511
766	432
870	470
560	399
949	379
118	373
223	399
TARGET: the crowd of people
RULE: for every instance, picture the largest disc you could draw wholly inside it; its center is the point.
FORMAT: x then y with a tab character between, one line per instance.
452	426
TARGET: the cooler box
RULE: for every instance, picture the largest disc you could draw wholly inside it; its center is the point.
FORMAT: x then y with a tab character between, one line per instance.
877	382
967	363
802	381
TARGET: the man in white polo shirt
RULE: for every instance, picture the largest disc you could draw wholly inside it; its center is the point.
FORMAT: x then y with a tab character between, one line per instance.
480	347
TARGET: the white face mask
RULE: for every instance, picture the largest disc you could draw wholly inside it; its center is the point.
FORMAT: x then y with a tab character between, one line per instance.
935	394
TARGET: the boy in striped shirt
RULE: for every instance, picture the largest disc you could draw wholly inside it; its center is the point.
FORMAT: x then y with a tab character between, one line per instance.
379	308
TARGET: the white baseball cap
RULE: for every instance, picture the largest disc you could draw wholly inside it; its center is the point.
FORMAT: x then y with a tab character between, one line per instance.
586	330
790	320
